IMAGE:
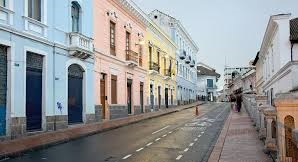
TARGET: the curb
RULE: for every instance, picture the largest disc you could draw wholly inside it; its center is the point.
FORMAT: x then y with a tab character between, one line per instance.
217	149
19	146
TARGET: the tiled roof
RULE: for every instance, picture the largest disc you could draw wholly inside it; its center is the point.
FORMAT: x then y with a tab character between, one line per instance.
205	71
294	30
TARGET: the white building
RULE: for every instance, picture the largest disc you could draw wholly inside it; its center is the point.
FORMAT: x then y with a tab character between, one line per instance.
277	61
207	79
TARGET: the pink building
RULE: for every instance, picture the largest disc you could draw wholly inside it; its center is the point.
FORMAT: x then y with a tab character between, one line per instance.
120	72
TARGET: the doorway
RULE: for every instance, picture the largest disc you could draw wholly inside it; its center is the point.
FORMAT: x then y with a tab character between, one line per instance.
142	97
159	97
167	97
291	147
103	97
75	94
151	96
129	95
34	91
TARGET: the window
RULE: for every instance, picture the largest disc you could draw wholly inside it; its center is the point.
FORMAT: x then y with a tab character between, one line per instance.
75	16
127	42
2	3
210	83
112	38
114	89
34	9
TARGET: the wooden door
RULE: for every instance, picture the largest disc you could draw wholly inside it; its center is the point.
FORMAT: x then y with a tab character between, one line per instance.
103	95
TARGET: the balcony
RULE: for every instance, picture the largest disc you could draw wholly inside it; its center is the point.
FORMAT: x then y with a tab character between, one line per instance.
192	64
80	46
182	54
131	58
167	74
187	60
153	68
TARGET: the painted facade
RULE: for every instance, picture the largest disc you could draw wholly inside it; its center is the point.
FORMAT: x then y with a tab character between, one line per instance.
207	79
38	49
161	87
120	59
186	56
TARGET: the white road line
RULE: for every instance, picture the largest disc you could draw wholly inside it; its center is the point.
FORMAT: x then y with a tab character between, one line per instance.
157	139
179	157
202	132
149	144
164	135
185	150
161	129
191	144
219	114
127	156
199	135
140	149
196	139
170	132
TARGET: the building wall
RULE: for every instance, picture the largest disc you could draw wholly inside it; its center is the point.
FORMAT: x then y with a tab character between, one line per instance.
167	49
117	65
202	84
49	38
186	82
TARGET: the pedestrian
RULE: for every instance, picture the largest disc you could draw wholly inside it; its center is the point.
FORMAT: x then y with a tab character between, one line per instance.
239	102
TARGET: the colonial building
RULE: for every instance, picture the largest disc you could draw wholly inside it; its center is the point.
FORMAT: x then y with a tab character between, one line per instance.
276	81
120	59
46	64
207	79
230	73
186	56
162	69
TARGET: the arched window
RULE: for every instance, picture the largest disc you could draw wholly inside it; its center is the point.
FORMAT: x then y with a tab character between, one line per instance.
75	17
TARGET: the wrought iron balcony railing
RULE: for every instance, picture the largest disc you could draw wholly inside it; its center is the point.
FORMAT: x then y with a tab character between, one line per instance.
154	66
132	56
167	72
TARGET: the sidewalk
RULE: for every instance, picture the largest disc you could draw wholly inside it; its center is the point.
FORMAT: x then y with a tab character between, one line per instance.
45	139
238	141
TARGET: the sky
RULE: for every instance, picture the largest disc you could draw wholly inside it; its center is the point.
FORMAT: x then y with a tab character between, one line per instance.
227	32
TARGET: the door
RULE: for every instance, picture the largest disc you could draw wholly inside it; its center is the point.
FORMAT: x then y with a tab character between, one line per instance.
151	96
159	97
142	96
172	101
3	89
167	97
291	147
75	94
103	95
129	99
34	91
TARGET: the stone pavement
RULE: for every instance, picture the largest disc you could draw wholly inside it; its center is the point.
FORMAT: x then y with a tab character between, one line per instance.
45	139
238	141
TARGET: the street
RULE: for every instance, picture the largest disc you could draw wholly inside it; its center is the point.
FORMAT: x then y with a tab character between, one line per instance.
180	136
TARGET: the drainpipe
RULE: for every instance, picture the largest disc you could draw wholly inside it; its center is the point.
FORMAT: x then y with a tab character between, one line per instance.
54	85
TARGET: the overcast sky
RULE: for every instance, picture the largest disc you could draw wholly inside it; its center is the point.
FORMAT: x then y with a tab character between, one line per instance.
224	29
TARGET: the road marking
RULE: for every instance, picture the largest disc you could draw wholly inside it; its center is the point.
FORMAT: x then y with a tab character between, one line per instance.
164	135
140	149
161	129
185	150
149	144
157	139
219	114
170	132
199	136
196	139
191	144
202	132
127	156
179	157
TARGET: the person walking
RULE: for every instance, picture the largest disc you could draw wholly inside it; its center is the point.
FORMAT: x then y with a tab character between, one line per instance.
239	102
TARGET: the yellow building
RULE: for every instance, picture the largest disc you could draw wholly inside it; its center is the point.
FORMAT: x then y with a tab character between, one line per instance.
162	69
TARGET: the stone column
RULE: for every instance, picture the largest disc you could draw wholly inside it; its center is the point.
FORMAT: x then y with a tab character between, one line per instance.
261	101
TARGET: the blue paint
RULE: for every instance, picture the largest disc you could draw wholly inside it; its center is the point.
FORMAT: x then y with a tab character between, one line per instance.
75	104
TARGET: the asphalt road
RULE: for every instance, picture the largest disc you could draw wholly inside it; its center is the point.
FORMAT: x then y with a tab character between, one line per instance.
180	136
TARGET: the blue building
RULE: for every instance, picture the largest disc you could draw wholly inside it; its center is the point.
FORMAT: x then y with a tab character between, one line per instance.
186	56
46	65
